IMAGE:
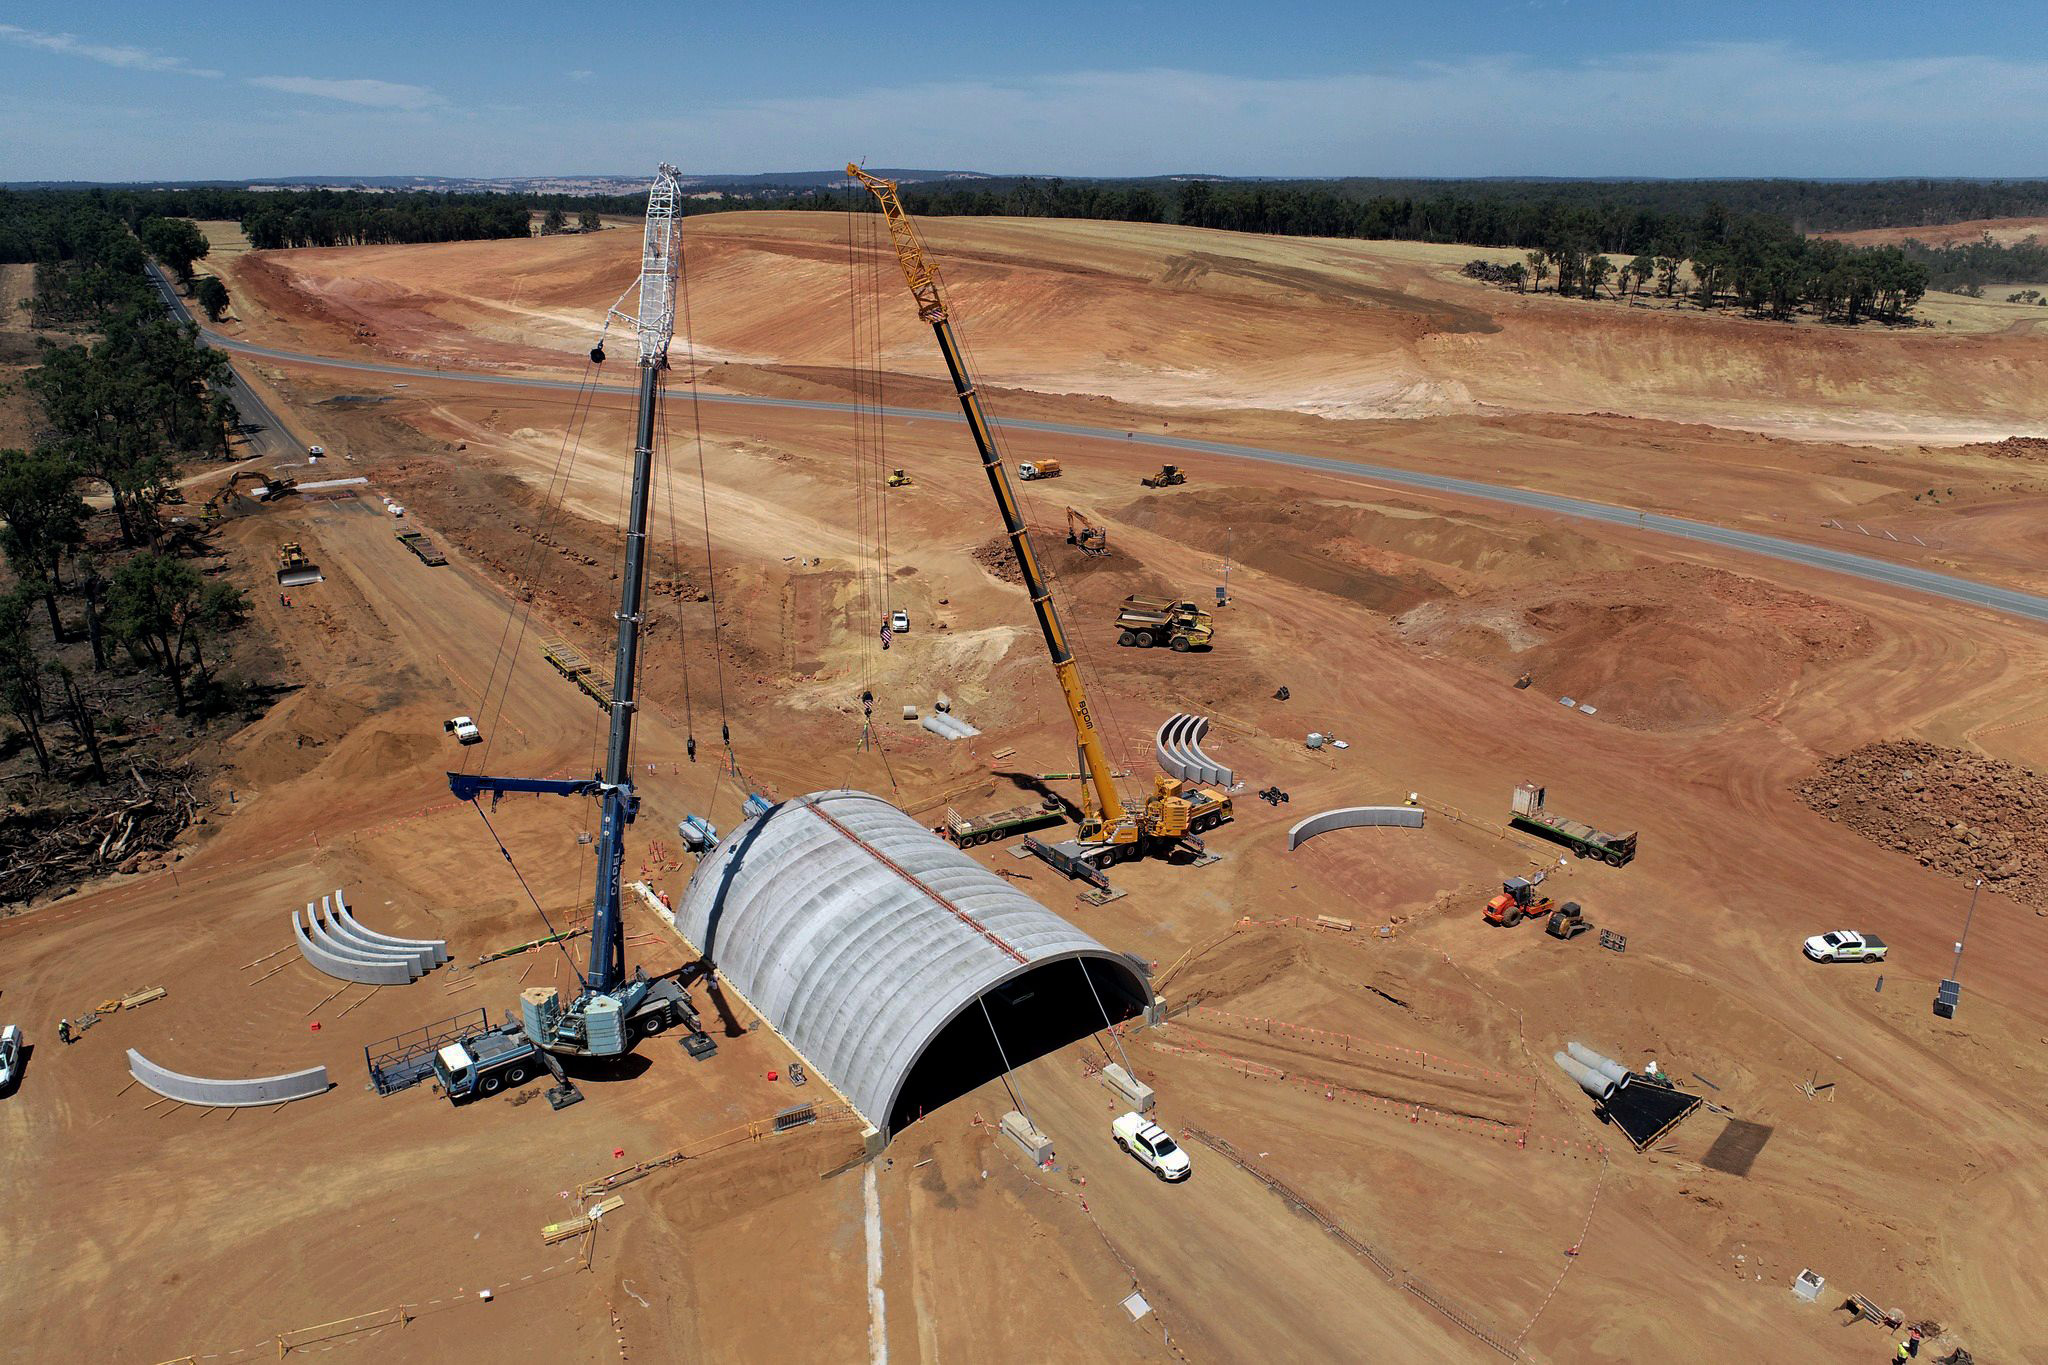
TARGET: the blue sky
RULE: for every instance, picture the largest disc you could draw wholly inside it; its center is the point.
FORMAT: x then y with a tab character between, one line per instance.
121	90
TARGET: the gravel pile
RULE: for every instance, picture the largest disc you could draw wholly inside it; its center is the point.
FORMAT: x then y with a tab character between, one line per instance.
1958	812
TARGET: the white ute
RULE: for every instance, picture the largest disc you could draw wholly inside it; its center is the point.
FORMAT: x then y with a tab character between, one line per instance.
1152	1145
1844	946
10	1057
464	729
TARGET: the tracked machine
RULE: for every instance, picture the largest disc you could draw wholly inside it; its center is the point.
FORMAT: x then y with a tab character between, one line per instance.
1111	832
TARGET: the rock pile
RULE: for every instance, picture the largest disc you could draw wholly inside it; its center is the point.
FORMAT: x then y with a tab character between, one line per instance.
1958	812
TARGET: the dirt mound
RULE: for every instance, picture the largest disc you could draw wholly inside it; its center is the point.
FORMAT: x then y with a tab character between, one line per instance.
1669	646
1958	812
995	555
2012	448
296	736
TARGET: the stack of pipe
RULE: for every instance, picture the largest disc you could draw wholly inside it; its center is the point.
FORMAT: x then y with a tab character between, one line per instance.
1595	1074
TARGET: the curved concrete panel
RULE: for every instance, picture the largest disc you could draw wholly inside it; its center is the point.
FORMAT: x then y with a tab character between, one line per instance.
348	917
1178	747
439	948
347	966
345	933
231	1094
324	936
1353	817
350	935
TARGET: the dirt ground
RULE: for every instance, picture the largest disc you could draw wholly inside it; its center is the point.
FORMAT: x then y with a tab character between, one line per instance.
1394	1080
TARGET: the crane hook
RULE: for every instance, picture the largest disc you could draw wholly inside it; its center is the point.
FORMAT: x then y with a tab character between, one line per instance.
597	354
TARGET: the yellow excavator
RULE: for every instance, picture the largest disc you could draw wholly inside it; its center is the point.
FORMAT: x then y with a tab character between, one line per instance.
1110	831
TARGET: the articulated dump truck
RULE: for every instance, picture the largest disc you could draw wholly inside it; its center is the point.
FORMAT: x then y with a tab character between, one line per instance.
1146	621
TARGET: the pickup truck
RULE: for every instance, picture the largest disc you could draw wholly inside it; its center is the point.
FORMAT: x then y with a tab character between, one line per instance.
10	1057
1844	946
464	729
1152	1146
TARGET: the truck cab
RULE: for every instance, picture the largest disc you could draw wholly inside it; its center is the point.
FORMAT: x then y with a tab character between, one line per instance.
1152	1145
485	1064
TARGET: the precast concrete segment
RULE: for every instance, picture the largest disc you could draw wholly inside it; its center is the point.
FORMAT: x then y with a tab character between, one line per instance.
437	947
859	935
1353	817
347	967
323	936
419	958
224	1093
1178	747
2011	601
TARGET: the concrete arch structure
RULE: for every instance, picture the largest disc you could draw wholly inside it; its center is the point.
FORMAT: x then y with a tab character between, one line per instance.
1178	747
903	971
1353	817
343	964
228	1094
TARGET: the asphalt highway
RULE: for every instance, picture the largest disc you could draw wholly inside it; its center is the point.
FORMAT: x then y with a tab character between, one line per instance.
1950	587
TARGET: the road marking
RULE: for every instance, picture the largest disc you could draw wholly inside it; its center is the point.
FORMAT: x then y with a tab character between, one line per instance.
878	1323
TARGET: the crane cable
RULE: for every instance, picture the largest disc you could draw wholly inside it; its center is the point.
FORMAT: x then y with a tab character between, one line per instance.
554	495
704	496
581	982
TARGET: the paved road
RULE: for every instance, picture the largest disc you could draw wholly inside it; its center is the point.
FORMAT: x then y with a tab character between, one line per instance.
267	437
1951	587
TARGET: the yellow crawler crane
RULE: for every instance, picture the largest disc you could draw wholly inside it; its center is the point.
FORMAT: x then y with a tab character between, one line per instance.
1110	833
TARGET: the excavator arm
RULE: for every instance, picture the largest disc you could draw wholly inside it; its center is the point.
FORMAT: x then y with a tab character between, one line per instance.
1106	808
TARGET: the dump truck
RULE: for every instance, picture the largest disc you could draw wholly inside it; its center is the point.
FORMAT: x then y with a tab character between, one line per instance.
1146	621
294	568
417	542
1027	470
968	831
1167	477
1531	815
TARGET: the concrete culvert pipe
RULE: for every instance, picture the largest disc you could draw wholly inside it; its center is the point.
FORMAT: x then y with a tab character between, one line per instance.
1589	1080
1606	1066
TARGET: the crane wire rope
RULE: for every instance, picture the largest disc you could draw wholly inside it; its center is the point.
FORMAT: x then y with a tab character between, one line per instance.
581	982
666	484
1107	1023
554	495
704	498
1004	1056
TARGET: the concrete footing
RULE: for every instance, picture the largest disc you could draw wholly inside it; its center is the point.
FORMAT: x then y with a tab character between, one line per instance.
1036	1145
1128	1088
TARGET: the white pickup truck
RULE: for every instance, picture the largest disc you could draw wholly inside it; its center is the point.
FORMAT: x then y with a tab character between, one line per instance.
1844	946
464	729
1152	1145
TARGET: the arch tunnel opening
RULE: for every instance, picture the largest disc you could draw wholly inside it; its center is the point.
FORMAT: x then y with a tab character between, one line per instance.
1037	1012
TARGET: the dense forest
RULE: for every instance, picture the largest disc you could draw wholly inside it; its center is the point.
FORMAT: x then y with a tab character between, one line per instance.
114	624
1968	267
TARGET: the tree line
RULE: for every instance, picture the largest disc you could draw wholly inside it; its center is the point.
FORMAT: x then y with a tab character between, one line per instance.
1967	267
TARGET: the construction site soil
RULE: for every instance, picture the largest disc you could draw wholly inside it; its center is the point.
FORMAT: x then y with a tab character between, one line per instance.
1386	1162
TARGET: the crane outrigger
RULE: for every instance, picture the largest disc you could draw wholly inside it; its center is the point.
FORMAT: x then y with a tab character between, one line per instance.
1110	832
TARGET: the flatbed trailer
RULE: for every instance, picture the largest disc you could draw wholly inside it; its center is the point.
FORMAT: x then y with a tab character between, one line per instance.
417	542
968	831
1581	838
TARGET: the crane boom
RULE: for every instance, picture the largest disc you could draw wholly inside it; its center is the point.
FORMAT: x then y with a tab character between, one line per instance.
1106	808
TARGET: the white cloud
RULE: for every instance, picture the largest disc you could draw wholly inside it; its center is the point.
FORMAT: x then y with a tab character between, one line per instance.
373	94
581	75
71	45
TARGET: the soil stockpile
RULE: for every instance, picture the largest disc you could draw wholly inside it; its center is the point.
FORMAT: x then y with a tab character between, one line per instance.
1956	811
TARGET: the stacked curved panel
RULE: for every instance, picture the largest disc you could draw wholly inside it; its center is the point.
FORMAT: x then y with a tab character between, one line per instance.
1178	747
1352	817
227	1093
336	944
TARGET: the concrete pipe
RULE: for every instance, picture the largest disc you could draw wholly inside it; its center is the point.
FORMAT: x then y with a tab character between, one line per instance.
1606	1066
1589	1080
